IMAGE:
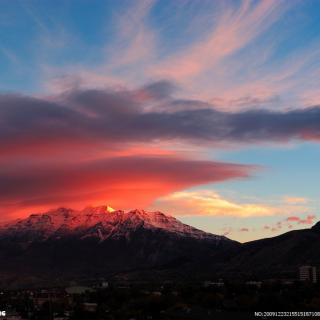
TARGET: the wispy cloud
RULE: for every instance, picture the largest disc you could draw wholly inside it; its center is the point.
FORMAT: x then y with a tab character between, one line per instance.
235	28
230	62
134	40
127	53
209	203
295	200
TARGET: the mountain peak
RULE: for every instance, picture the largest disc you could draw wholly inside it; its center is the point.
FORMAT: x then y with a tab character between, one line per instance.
101	242
100	222
110	209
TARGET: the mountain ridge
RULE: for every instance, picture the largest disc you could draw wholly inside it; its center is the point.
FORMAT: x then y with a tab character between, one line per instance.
69	244
105	221
103	242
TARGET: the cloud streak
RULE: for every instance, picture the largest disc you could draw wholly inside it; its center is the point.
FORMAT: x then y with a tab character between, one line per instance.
148	114
235	28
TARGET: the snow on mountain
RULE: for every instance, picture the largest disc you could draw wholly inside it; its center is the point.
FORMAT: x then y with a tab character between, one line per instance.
101	222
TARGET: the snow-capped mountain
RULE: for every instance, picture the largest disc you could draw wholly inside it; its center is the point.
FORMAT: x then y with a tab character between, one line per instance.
101	241
66	244
98	222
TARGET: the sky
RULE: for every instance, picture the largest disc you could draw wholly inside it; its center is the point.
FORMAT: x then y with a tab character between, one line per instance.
205	110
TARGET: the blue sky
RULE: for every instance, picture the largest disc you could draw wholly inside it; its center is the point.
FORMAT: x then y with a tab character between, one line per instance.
231	56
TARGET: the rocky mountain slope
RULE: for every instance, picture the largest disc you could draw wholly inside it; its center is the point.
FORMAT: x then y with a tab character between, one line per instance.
101	223
69	244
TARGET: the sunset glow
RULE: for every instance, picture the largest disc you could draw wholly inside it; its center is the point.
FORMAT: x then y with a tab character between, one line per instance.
206	110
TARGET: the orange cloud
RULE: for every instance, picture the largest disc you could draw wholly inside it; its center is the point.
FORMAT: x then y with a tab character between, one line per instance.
208	203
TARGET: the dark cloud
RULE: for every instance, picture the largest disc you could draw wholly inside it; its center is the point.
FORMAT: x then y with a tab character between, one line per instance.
120	116
159	90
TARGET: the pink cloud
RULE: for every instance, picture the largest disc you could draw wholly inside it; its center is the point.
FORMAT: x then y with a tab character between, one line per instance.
124	182
289	221
293	218
308	220
235	28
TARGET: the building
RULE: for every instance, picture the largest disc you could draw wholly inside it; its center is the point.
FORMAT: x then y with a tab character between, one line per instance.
308	273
